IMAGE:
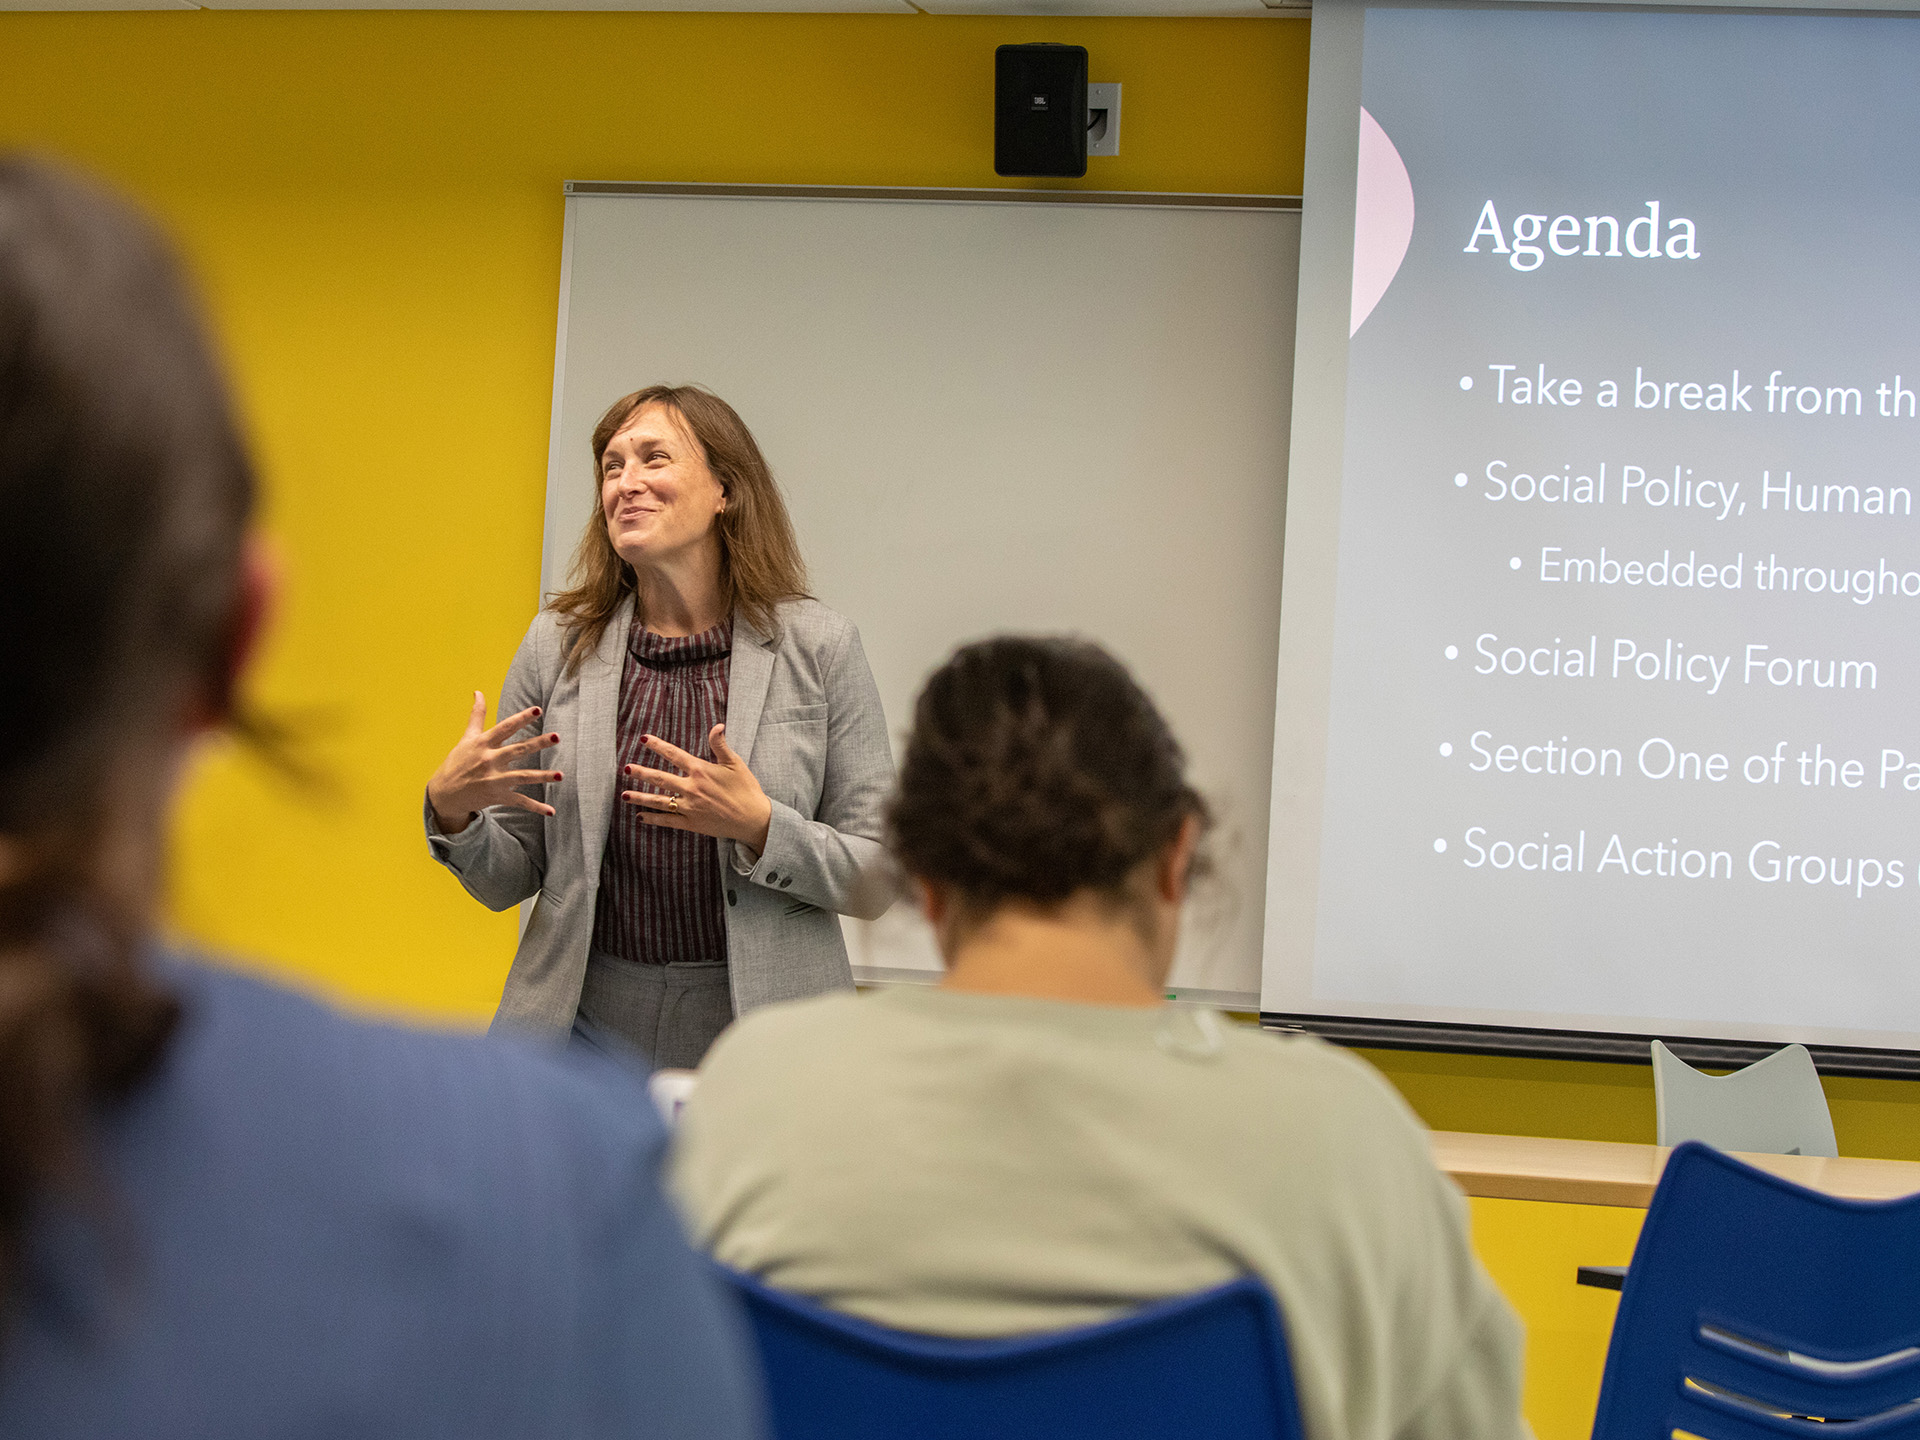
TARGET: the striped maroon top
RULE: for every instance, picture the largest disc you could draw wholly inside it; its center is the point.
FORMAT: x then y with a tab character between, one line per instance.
660	888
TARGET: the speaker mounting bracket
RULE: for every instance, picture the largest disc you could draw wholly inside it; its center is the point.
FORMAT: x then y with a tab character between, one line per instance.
1103	119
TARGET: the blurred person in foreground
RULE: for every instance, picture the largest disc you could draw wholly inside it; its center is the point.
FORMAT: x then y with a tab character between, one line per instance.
1041	1142
225	1211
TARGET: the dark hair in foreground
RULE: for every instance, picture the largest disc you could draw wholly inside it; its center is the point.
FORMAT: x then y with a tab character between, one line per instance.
1037	768
124	494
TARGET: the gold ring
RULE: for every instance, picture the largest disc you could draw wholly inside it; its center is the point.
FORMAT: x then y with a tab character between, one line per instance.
673	803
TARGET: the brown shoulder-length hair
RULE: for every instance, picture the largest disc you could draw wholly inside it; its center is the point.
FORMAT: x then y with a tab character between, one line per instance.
760	563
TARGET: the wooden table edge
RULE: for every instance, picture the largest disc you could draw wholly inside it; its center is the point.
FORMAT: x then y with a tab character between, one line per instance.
1559	1189
1600	1172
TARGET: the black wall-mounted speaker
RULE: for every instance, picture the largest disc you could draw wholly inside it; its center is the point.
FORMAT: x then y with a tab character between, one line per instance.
1040	110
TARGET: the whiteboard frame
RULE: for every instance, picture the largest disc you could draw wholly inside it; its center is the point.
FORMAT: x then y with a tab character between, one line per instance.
1245	1002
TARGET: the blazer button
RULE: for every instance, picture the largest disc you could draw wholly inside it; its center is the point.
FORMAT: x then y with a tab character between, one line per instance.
771	877
732	899
786	882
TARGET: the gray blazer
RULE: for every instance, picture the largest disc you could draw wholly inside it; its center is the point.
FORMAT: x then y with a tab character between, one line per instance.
802	711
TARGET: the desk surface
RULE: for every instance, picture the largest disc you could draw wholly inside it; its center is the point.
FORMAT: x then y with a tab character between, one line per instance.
1603	1172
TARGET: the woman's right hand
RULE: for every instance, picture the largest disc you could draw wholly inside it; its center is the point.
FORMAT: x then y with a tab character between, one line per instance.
479	770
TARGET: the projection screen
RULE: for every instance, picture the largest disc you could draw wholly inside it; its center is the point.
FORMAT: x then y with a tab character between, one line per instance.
1597	713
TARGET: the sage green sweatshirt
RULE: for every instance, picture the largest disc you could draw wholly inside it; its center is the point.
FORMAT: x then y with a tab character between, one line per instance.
965	1164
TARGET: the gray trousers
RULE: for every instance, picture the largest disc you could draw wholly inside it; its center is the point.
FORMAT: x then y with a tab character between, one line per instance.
670	1013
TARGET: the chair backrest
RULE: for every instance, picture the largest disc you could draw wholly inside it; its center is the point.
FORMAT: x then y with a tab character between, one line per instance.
1752	1304
1773	1107
1212	1364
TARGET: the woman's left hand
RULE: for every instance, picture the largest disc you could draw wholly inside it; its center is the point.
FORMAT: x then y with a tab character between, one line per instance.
709	797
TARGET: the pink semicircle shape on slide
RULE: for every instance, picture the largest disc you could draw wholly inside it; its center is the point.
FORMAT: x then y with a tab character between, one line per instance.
1382	219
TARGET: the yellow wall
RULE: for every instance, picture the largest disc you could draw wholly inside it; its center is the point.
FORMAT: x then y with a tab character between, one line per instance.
1533	1250
371	202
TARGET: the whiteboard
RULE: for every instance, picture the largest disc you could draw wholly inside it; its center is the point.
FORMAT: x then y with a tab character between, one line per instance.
989	411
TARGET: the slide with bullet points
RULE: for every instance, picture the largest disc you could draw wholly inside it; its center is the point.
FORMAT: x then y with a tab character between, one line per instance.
1617	642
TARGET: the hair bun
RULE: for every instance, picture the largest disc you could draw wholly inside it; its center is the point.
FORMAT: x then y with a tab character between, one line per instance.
1037	767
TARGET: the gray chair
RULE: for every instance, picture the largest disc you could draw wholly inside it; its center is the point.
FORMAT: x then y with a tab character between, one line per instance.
1774	1106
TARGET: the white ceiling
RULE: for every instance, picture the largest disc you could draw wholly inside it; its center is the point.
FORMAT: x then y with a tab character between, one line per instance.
1298	8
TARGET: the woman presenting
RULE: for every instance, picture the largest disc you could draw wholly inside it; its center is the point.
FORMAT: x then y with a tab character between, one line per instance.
719	755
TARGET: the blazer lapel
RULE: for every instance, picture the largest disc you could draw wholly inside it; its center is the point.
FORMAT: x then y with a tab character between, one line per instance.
747	679
597	740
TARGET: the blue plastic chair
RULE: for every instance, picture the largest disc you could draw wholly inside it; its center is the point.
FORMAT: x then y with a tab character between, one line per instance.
1755	1309
1212	1364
